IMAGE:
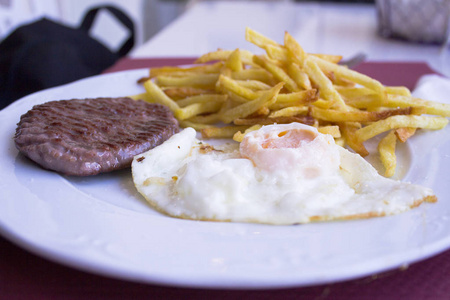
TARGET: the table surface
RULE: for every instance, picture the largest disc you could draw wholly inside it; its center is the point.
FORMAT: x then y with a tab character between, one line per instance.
26	276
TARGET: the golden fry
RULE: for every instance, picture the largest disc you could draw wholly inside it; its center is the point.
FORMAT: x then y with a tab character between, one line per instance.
197	109
289	111
239	136
205	81
332	130
432	108
356	116
277	72
386	148
299	76
329	57
327	91
295	51
226	132
348	131
398	90
433	123
184	92
197	126
141	96
250	107
222	55
258	39
349	74
404	133
295	99
275	120
157	95
234	61
255	85
258	74
216	98
180	71
227	84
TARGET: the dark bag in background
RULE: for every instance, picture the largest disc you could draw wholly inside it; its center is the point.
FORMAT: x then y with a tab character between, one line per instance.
45	54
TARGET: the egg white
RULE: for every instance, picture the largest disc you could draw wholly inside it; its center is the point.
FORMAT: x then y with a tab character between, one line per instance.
188	178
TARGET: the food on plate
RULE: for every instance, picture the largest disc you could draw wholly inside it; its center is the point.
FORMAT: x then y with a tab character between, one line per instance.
83	137
286	84
278	174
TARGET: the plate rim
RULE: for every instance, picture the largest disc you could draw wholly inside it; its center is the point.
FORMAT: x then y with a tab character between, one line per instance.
45	252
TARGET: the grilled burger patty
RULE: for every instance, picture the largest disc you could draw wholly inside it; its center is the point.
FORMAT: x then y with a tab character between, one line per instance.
83	137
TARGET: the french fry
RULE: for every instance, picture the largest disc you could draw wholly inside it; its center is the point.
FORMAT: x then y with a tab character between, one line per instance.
197	109
239	136
356	116
262	112
184	92
295	99
340	141
282	100
354	92
432	108
254	85
179	71
226	132
258	74
329	57
222	55
367	102
322	103
404	133
289	111
277	72
386	148
197	126
277	53
216	98
141	96
332	130
299	76
228	84
235	98
351	75
205	81
394	122
208	119
398	90
295	51
327	91
156	94
258	39
245	109
348	131
275	120
234	62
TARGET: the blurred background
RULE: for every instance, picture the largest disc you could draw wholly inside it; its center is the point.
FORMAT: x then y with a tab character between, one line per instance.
374	30
149	16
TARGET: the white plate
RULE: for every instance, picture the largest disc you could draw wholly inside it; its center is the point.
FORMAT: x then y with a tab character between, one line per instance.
100	224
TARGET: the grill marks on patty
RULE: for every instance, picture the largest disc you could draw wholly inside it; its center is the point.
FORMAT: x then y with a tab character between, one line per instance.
90	136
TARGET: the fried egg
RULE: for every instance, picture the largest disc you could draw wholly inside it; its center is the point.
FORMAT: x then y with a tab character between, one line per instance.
279	174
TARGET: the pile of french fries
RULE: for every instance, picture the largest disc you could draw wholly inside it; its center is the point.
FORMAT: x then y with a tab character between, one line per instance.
229	93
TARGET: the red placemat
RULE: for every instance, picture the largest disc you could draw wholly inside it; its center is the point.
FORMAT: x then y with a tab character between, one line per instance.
26	276
389	73
139	63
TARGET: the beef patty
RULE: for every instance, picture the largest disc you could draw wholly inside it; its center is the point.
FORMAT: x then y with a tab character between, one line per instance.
90	136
